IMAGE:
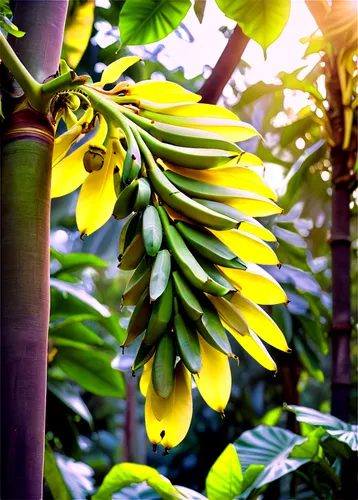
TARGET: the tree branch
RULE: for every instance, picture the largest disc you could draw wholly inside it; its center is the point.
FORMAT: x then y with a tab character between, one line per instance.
224	68
319	10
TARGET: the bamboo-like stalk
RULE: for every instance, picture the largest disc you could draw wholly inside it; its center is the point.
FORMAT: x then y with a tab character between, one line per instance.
25	227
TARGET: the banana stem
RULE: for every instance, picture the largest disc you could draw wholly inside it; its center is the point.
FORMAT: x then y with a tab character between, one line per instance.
29	85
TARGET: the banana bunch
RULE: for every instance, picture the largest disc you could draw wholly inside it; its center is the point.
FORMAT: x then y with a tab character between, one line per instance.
190	245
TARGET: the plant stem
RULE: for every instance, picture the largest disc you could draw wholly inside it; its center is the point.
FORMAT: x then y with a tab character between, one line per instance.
25	224
224	68
29	85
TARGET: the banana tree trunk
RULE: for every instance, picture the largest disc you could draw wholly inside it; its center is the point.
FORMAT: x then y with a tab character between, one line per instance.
25	226
340	248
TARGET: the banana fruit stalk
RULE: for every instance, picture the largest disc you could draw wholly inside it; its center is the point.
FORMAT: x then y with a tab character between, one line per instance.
190	243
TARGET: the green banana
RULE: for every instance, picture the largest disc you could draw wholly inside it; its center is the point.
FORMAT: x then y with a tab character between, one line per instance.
133	254
125	201
186	261
207	191
199	158
211	329
163	366
160	275
188	344
186	206
152	231
139	319
132	161
160	317
137	284
143	195
232	212
209	246
189	301
182	136
215	274
128	232
144	354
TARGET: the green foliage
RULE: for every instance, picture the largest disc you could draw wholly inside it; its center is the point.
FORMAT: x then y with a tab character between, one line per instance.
147	21
125	474
262	20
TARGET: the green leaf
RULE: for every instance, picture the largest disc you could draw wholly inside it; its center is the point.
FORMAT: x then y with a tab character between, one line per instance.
315	44
124	474
272	417
82	295
76	331
251	474
77	476
270	447
261	20
53	476
290	81
73	262
147	21
311	447
347	433
5	8
225	477
308	358
69	395
298	129
254	92
92	370
199	9
297	174
10	27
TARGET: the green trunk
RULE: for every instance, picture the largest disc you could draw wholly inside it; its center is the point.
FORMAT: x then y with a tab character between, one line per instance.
25	227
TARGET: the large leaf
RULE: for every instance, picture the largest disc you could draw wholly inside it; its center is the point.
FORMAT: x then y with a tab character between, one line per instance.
271	447
92	370
69	395
347	433
261	20
53	476
76	331
225	477
147	21
298	129
255	91
73	262
81	294
124	474
77	476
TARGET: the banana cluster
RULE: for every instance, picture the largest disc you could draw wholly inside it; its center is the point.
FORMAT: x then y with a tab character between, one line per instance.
171	167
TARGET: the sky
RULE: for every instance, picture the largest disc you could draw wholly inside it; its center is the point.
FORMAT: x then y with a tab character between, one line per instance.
283	55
